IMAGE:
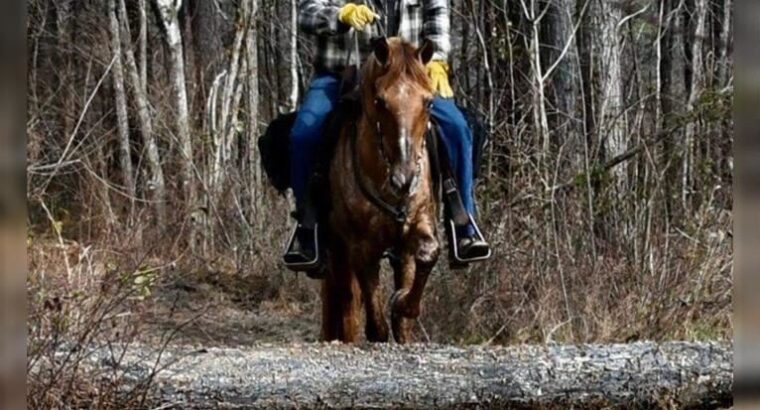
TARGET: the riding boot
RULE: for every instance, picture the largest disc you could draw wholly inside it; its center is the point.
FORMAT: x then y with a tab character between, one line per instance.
303	253
466	243
470	245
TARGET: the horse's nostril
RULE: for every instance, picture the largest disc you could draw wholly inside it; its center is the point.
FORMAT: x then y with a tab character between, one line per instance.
398	180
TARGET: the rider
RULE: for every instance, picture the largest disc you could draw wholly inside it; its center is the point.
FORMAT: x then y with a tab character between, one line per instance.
330	21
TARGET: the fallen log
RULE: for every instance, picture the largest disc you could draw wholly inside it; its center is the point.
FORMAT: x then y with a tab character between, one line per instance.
637	375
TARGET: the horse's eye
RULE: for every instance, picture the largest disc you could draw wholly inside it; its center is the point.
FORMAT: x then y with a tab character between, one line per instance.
380	103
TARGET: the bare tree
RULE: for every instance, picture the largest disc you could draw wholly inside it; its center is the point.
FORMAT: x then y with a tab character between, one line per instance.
695	85
156	185
559	31
143	41
252	55
606	17
293	60
169	10
120	97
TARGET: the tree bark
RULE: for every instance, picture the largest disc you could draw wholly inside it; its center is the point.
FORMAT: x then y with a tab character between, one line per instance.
638	375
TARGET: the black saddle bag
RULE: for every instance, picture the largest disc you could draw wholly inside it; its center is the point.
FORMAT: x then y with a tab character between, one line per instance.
274	148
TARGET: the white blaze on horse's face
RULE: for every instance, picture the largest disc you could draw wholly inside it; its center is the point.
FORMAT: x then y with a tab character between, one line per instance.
404	128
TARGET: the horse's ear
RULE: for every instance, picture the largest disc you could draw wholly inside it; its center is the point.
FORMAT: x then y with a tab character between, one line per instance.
380	48
425	52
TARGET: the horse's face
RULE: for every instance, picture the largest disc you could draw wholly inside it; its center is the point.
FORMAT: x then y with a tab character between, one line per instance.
400	108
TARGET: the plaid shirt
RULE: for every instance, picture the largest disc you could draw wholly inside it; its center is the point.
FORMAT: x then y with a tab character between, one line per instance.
414	20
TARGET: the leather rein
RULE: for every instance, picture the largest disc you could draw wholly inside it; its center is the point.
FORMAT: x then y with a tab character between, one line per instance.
398	212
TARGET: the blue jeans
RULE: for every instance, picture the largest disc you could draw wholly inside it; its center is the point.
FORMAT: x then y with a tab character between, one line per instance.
322	97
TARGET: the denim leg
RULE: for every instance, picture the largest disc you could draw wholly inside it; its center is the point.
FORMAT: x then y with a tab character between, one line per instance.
457	139
319	100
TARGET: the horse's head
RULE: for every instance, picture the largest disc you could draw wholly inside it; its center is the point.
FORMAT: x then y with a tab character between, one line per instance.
396	99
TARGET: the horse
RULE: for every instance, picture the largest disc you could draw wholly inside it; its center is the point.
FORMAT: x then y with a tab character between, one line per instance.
382	197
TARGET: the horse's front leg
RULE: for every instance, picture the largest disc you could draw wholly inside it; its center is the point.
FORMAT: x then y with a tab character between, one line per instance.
341	298
376	328
411	273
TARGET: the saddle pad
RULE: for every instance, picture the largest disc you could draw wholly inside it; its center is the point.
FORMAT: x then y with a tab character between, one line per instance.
274	147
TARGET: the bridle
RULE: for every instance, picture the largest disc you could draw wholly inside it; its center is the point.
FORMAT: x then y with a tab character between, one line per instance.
397	211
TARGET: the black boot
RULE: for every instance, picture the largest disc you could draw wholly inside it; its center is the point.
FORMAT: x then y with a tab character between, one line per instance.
466	245
303	253
473	248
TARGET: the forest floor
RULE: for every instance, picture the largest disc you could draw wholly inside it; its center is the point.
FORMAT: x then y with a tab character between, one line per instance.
216	310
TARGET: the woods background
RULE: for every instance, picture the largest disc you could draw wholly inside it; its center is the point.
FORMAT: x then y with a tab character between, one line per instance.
606	190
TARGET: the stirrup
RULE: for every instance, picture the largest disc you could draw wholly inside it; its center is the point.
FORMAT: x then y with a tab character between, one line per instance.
457	260
303	266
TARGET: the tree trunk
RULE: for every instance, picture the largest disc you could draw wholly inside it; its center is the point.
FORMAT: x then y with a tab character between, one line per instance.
293	61
207	43
726	38
638	375
143	47
254	169
695	84
156	185
120	96
169	10
610	102
557	31
665	96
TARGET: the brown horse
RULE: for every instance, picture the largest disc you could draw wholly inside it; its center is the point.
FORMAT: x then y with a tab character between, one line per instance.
382	197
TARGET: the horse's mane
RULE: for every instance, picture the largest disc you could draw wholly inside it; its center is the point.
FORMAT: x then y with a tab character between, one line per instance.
402	62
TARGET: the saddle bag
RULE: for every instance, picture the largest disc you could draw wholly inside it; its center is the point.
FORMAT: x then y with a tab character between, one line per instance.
274	148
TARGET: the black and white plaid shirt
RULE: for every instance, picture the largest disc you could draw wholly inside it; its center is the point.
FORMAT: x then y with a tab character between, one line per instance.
412	20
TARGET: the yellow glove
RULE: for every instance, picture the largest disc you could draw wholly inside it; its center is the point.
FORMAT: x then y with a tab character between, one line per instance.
438	71
357	16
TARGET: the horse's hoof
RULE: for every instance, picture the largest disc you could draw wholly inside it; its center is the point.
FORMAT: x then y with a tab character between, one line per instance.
395	300
398	305
399	324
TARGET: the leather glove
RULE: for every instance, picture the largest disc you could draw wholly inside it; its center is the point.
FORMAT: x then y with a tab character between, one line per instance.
438	71
357	16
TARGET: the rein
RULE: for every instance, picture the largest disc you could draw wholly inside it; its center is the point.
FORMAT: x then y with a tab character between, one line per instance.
397	212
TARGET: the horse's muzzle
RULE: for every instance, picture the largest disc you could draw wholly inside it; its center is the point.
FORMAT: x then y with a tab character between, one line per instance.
400	181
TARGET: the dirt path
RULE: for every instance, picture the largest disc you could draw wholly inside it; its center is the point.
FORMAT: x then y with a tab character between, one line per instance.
225	310
433	376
